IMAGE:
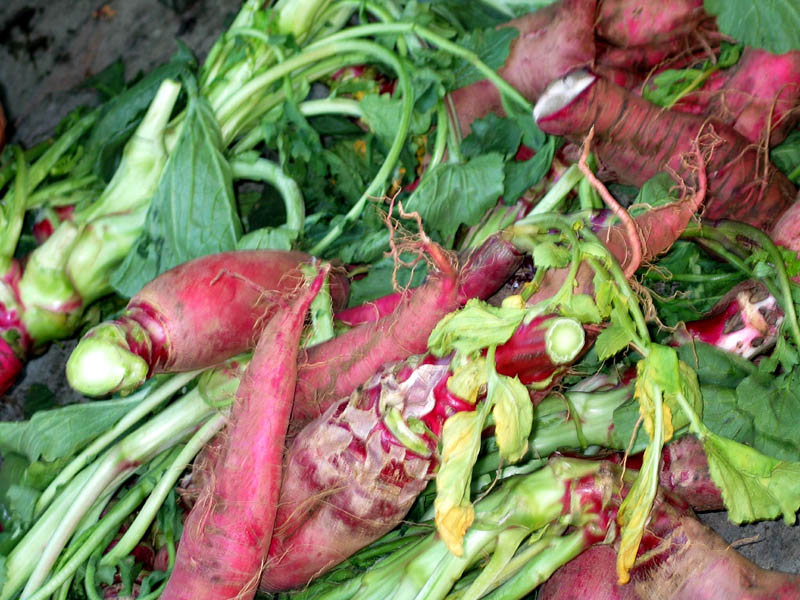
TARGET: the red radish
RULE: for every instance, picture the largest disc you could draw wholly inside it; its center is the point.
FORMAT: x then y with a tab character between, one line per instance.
227	533
685	473
14	339
561	32
786	231
348	480
745	321
10	366
220	299
754	104
637	139
353	473
691	562
626	23
332	370
484	271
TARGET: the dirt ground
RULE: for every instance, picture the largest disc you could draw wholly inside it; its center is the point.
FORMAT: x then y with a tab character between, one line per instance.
48	48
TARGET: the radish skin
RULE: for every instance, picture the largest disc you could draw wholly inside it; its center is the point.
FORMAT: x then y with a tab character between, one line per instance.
484	271
227	533
332	370
637	139
221	299
694	564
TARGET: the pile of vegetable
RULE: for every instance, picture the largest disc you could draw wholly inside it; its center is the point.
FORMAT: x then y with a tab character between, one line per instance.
391	299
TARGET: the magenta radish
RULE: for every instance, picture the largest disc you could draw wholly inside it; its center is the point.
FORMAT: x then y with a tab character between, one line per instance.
332	370
745	322
193	316
352	474
636	139
483	272
227	533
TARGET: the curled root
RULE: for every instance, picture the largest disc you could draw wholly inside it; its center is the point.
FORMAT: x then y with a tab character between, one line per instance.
419	245
634	236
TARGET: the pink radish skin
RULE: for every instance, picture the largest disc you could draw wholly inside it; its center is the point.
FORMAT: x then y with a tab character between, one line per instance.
227	533
10	367
332	370
753	103
12	330
696	564
542	34
685	473
637	139
626	23
348	479
484	271
222	299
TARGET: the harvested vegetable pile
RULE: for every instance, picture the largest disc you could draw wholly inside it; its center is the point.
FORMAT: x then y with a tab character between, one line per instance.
414	300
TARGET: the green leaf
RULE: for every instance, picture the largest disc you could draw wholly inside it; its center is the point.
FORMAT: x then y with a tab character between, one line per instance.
461	442
522	175
611	340
193	212
492	47
60	432
754	486
548	255
381	112
786	156
451	195
513	415
378	281
582	308
476	326
770	24
492	134
268	238
121	116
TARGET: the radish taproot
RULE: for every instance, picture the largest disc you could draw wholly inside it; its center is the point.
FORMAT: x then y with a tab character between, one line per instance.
756	106
690	563
333	369
193	316
745	321
353	473
227	533
637	139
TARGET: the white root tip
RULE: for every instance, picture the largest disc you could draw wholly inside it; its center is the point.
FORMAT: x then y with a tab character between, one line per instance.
560	92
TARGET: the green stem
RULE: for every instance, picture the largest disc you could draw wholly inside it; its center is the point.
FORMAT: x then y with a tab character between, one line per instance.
40	169
558	553
375	188
267	171
12	220
237	110
763	240
440	143
267	103
164	431
152	398
505	88
558	192
695	83
783	292
137	529
104	527
45	195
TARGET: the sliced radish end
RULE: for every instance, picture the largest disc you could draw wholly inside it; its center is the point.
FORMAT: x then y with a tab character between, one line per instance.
562	92
564	340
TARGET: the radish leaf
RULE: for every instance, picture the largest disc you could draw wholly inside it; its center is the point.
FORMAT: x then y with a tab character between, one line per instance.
770	24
